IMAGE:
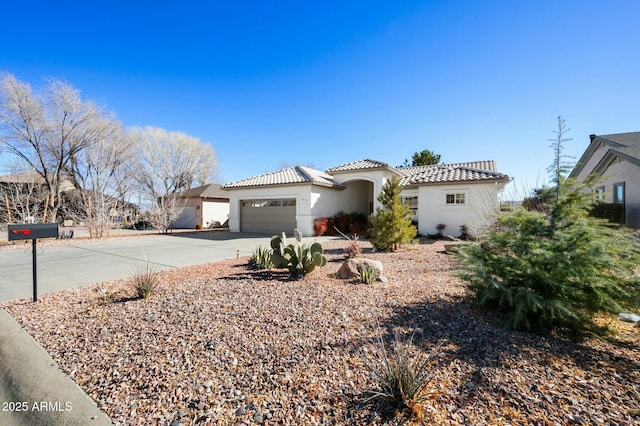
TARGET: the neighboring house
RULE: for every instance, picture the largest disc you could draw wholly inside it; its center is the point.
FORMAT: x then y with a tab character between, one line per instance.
25	179
206	206
452	194
611	164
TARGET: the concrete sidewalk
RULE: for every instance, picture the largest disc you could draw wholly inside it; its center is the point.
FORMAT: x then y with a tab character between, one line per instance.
33	390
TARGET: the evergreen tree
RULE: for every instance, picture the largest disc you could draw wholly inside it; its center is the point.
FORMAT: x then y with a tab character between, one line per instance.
557	268
391	224
422	158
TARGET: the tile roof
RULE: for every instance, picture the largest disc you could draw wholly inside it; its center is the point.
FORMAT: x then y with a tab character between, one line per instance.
451	173
292	175
359	165
211	190
409	176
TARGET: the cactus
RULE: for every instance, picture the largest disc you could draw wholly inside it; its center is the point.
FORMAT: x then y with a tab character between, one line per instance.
299	258
278	245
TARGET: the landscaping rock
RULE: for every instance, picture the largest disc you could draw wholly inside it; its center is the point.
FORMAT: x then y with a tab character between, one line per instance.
628	317
351	267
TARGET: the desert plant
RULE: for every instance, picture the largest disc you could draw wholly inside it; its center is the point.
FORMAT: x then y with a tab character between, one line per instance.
368	275
391	224
145	282
353	248
297	257
400	374
261	258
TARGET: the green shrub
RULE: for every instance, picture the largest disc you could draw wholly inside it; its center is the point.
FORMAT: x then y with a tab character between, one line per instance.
297	257
391	224
612	212
145	282
558	271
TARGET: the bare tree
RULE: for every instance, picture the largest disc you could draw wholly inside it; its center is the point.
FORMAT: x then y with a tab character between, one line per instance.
169	163
105	172
48	128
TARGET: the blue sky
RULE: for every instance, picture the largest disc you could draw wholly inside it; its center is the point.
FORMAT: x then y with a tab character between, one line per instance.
271	83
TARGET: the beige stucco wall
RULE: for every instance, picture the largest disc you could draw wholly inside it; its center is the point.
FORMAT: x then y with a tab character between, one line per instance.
200	212
214	211
479	211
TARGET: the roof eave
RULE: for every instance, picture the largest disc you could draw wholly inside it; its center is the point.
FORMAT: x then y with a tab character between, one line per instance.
276	185
504	179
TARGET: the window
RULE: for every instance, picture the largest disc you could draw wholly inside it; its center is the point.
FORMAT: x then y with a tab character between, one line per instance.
600	194
269	203
412	202
457	198
618	193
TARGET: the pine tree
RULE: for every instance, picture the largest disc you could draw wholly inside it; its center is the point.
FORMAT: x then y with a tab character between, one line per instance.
555	269
391	224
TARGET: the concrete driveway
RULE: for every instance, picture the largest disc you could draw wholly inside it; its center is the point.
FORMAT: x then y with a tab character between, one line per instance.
84	263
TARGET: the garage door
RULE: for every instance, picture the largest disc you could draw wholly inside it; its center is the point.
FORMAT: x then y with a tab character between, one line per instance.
269	216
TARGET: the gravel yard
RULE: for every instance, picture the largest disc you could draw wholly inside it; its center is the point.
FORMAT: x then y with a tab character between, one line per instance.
222	344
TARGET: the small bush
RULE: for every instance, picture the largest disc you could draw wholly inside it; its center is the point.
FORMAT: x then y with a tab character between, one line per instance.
400	375
368	275
612	212
342	222
440	228
145	283
320	226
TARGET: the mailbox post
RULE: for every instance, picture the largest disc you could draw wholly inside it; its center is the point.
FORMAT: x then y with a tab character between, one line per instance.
33	232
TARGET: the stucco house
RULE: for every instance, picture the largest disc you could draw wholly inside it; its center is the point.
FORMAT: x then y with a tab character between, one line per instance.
452	194
611	163
206	206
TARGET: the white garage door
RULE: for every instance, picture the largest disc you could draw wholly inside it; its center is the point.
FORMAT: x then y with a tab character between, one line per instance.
268	216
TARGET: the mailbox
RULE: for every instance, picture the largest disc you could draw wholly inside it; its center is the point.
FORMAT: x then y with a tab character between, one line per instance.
33	231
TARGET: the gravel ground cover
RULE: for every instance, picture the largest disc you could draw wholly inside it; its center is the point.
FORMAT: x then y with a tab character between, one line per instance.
222	344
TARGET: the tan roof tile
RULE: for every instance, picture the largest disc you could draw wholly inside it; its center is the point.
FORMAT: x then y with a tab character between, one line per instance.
292	175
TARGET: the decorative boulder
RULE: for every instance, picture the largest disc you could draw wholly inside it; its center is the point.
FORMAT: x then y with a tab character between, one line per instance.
351	267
